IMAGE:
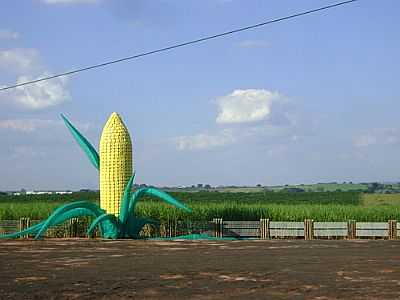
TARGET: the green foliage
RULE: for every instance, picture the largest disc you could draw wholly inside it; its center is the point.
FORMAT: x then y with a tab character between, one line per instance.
51	198
345	198
275	212
381	199
34	210
326	206
38	206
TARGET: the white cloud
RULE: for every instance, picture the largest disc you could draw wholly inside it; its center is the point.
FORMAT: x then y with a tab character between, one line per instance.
70	1
19	60
26	65
205	141
27	125
381	136
245	106
38	95
32	125
8	34
253	44
251	116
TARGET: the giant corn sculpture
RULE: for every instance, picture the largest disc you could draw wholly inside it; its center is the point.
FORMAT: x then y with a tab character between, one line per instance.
116	214
115	163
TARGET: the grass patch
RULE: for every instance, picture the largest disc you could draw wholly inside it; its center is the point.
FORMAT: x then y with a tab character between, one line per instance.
380	199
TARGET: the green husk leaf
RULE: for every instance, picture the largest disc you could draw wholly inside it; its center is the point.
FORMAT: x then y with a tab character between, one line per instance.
78	209
112	220
83	143
136	196
123	216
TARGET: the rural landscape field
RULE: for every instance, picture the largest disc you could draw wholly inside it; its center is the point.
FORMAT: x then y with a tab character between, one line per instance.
213	269
237	206
203	150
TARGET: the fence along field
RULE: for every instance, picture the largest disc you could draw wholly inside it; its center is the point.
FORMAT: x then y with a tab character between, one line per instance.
276	207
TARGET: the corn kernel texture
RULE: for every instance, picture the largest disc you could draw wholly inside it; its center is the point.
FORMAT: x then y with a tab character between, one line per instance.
116	163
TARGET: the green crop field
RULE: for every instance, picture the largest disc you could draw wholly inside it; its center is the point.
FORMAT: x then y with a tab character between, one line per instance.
325	187
276	212
391	200
326	206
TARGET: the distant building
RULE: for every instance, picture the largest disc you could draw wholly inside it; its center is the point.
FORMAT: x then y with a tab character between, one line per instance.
42	193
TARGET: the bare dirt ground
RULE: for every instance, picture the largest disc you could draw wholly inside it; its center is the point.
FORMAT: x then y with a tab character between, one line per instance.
277	269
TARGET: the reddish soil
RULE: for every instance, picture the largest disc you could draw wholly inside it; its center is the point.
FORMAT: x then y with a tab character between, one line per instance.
277	269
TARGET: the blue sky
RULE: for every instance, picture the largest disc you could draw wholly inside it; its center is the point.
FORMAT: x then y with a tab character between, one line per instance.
312	99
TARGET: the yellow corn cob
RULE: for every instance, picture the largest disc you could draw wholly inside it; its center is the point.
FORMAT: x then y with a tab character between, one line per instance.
116	163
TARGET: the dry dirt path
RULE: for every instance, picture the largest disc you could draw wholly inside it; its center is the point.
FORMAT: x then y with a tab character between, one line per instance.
288	269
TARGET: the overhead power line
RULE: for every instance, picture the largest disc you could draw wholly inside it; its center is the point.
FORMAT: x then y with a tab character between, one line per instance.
206	38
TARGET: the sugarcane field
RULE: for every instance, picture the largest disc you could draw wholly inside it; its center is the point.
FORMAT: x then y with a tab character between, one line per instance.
212	149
